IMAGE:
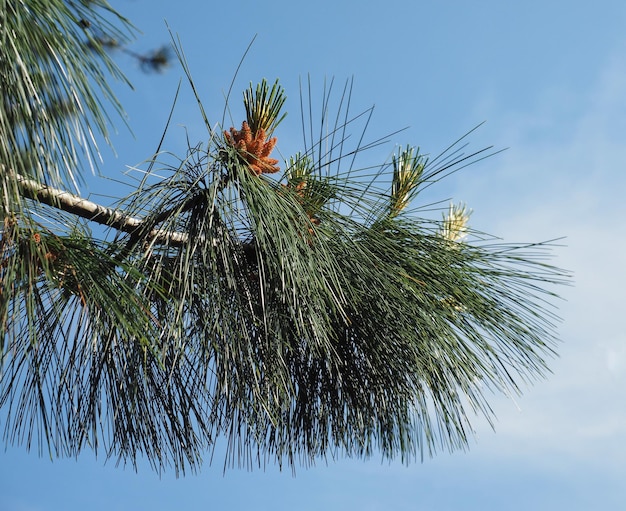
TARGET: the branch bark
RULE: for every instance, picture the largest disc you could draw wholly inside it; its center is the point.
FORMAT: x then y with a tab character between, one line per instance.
91	211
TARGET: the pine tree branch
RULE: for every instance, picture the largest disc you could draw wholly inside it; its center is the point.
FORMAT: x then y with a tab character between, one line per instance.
92	211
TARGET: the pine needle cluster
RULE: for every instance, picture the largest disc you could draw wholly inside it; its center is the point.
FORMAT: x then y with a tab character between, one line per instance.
296	317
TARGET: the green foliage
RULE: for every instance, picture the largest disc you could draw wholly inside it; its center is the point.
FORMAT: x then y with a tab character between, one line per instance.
53	86
301	317
263	107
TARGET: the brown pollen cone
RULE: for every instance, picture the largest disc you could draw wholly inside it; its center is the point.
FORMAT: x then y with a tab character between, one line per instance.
253	148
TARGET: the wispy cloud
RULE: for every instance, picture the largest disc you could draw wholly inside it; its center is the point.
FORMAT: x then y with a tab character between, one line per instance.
565	175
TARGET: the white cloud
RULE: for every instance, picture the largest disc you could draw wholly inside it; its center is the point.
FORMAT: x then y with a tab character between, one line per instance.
565	175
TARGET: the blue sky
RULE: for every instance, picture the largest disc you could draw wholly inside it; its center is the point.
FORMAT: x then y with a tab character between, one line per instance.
549	77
